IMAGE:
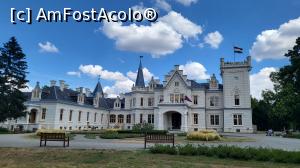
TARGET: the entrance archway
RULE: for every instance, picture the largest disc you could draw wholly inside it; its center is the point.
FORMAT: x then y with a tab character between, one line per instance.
32	116
172	120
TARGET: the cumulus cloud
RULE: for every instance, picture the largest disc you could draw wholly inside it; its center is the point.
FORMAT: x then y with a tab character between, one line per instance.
74	73
122	83
181	24
194	70
273	44
48	47
158	39
163	4
214	39
187	2
261	81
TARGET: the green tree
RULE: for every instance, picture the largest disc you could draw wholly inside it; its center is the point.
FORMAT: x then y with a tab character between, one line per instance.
286	106
12	78
260	111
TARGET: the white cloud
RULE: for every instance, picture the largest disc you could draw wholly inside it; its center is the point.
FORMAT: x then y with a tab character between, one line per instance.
273	44
261	81
147	75
187	2
182	25
214	39
158	39
29	88
194	70
163	4
74	73
48	47
140	7
121	84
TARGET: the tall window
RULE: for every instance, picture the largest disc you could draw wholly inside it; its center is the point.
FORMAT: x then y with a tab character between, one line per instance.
70	115
87	116
112	118
133	102
128	118
79	116
214	101
237	119
195	98
61	114
44	113
150	101
214	120
120	118
236	100
151	118
95	117
142	101
141	118
195	118
176	83
161	98
176	98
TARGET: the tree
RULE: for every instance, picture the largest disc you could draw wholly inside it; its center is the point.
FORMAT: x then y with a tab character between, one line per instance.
12	78
260	111
286	105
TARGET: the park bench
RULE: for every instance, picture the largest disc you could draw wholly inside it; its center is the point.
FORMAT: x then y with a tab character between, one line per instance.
159	138
54	137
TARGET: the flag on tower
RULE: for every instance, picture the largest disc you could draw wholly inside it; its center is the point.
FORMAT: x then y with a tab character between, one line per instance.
237	49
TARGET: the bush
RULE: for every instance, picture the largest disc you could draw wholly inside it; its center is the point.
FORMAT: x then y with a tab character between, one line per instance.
164	149
182	134
141	132
112	135
187	150
4	130
233	152
204	135
143	127
292	135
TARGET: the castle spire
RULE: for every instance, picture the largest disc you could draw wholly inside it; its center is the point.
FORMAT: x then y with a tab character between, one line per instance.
140	77
98	88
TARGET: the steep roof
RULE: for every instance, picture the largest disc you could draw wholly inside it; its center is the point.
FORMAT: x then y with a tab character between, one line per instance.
98	89
140	77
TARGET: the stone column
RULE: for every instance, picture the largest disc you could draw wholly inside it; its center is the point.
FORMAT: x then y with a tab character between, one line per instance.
184	124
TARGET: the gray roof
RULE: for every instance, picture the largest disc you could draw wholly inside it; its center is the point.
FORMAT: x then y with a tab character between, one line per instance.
140	77
98	89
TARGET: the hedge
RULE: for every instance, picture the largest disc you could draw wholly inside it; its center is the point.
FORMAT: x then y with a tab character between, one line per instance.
232	152
142	132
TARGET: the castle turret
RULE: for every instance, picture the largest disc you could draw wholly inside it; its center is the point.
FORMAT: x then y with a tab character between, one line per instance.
36	94
140	77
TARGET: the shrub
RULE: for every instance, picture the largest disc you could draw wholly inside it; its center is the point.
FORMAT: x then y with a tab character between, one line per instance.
143	127
164	149
204	135
141	132
182	134
187	150
4	130
112	135
233	152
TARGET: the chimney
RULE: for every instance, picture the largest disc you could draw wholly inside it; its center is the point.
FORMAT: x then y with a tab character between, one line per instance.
52	83
62	85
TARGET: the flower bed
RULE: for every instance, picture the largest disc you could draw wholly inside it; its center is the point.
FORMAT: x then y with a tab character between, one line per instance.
204	135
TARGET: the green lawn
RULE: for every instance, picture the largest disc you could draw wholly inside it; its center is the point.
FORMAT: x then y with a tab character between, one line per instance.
41	157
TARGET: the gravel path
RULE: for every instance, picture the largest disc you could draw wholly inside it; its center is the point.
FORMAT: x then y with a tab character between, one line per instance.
79	142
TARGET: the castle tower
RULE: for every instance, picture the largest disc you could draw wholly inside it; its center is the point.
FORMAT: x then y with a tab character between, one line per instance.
236	91
140	82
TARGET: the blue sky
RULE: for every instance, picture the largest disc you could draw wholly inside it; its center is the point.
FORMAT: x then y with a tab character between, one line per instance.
222	23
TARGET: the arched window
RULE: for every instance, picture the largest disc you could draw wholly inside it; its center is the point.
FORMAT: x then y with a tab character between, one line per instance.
236	99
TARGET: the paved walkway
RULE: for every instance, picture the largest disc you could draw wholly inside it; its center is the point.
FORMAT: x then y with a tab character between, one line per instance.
79	142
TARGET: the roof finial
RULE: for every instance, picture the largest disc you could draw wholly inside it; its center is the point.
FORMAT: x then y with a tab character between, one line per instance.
99	78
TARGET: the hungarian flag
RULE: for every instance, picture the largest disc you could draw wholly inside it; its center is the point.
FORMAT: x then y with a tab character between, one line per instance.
238	50
187	99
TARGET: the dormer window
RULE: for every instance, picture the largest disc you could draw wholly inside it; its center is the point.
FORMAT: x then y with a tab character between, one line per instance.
176	84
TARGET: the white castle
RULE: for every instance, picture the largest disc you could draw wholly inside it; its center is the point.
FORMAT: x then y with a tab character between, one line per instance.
176	104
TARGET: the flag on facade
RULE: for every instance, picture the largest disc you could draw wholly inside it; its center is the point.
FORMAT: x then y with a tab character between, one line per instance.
237	50
187	99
